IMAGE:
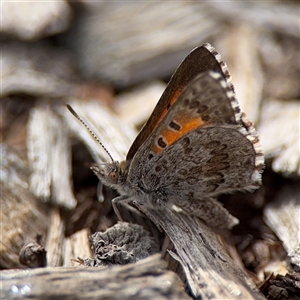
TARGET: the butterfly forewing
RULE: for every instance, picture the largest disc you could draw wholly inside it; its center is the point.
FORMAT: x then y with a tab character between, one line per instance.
200	60
200	148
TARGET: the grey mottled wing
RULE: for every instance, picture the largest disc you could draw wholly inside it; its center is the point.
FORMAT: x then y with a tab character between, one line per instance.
202	147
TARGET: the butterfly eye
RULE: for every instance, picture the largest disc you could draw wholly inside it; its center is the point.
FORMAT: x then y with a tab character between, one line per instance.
113	176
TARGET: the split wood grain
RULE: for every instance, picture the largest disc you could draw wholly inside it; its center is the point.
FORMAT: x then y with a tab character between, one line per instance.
29	69
49	156
280	17
136	105
280	136
55	240
210	272
134	49
22	217
283	217
30	21
147	279
76	246
240	51
113	134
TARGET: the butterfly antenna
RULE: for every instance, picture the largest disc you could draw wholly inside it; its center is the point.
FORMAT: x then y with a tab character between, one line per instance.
73	112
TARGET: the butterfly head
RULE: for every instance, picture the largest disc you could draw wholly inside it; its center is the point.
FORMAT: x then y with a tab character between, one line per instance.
111	174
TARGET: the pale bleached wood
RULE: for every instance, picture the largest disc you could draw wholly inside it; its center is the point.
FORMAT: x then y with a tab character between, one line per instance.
36	70
38	154
32	20
135	106
147	279
55	240
61	172
77	245
281	67
279	135
49	154
279	17
22	216
283	217
239	49
115	135
210	272
145	40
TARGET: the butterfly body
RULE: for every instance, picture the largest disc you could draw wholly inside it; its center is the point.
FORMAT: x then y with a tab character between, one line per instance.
196	145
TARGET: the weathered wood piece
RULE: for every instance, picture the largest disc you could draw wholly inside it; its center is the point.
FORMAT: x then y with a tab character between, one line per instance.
33	20
277	17
133	50
33	255
22	217
22	71
281	66
49	154
55	240
279	134
146	279
210	272
285	287
116	136
135	106
76	246
241	53
283	217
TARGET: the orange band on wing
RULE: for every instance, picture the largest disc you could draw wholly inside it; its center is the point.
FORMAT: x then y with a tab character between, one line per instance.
171	137
172	101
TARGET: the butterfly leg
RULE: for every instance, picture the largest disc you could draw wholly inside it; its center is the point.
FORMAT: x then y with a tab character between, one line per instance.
151	212
144	207
209	210
124	204
136	206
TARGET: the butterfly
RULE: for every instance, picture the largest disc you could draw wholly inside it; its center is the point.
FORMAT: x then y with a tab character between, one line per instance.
196	145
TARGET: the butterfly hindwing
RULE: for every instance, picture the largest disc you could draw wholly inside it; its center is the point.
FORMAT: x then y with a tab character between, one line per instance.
199	145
